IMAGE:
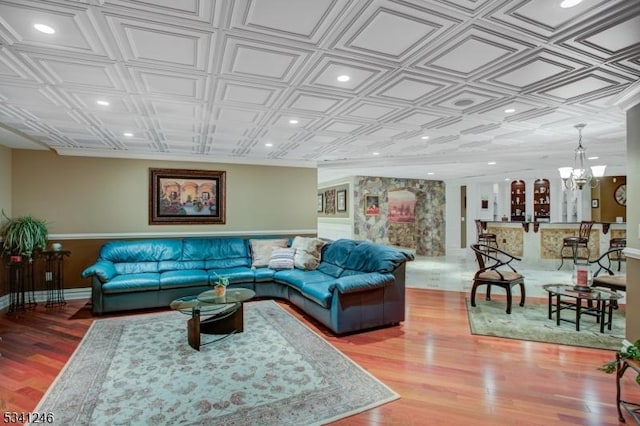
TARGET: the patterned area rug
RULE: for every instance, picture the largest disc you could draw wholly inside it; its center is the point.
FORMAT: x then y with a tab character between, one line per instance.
141	370
531	322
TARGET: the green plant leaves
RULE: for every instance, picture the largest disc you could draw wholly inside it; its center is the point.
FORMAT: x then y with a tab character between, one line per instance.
23	235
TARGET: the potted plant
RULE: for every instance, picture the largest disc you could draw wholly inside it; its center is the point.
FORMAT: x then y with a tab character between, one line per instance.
23	236
628	351
220	285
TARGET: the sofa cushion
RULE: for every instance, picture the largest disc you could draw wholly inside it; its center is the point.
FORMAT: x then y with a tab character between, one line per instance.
308	252
335	255
141	251
369	257
261	250
319	292
184	278
263	274
241	274
363	282
180	265
282	258
217	252
297	278
131	283
135	267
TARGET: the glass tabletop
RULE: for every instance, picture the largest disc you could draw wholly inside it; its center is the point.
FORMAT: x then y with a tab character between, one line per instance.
594	293
232	295
208	302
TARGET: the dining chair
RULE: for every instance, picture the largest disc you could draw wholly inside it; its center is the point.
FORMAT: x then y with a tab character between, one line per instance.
604	275
496	271
575	243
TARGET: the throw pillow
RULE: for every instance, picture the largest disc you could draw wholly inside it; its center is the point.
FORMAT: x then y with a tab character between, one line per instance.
282	258
261	250
308	251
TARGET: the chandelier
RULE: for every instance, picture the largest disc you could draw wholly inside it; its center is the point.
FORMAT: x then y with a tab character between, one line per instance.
579	175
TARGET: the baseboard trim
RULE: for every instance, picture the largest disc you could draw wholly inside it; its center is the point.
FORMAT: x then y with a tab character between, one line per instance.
41	296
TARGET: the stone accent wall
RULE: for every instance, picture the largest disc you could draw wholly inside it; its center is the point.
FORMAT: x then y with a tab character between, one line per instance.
510	240
426	235
551	242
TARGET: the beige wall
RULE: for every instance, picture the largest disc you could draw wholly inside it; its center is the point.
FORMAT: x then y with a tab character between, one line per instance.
5	180
79	195
633	219
608	209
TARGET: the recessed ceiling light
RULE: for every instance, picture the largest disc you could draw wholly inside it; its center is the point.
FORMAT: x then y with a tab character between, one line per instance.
430	174
376	153
424	137
569	3
491	163
592	158
268	144
44	28
128	134
293	121
102	103
343	78
509	110
507	179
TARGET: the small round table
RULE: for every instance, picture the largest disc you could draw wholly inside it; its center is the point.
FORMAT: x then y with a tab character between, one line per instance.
226	314
563	296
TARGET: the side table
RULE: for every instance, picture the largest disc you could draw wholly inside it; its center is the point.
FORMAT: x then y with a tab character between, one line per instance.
633	408
21	285
54	276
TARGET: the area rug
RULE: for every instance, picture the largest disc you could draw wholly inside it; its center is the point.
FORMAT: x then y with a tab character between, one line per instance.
141	370
531	322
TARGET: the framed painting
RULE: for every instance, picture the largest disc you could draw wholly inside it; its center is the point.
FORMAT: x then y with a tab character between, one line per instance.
319	203
330	201
178	196
372	205
401	207
341	200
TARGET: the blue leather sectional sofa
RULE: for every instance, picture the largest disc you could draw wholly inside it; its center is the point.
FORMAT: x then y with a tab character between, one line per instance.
358	285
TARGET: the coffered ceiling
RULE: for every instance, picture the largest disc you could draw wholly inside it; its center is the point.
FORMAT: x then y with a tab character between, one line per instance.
218	80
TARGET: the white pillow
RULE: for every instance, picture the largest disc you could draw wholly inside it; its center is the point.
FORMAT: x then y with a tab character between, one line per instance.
282	258
261	250
308	252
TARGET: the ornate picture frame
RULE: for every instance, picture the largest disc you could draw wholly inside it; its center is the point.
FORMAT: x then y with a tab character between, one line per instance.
183	196
372	205
341	201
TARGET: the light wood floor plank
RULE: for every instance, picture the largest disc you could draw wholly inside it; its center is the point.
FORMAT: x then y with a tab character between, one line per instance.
445	375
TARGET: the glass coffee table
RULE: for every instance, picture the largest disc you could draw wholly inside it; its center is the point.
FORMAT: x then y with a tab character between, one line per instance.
225	314
600	303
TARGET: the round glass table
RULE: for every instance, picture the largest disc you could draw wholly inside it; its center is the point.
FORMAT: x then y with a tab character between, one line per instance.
225	314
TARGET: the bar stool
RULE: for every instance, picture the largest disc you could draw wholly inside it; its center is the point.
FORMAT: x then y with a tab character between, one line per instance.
487	238
615	243
576	242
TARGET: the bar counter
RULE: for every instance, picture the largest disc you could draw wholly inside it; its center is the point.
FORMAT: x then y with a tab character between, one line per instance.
540	243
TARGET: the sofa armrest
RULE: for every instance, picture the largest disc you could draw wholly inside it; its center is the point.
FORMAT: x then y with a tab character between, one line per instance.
103	269
363	282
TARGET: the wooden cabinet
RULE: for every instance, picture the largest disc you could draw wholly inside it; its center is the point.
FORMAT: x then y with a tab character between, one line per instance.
541	200
518	201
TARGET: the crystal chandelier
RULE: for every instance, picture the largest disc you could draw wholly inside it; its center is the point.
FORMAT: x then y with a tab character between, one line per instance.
579	175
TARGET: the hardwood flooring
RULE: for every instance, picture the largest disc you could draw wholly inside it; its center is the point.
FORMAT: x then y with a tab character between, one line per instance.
445	376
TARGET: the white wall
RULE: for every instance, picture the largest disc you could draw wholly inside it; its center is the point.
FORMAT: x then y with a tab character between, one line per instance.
334	227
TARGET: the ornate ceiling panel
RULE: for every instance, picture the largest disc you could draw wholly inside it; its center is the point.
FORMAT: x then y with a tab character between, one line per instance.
439	86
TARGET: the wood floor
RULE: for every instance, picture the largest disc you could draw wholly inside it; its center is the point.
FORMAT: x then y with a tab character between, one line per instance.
444	375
